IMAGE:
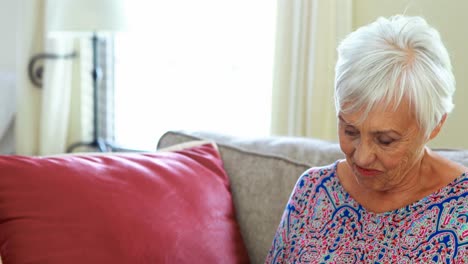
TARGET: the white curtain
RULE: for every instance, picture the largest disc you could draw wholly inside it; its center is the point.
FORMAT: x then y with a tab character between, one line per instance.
308	32
49	118
7	115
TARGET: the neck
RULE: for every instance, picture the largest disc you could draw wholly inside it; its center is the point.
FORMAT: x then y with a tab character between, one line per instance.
417	183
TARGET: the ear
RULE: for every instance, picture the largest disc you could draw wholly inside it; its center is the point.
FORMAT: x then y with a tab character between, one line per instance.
436	130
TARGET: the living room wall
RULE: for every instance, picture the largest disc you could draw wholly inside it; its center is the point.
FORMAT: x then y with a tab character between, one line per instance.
450	18
447	16
8	29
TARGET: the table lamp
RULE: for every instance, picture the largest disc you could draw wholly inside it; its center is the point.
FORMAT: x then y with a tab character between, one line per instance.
88	18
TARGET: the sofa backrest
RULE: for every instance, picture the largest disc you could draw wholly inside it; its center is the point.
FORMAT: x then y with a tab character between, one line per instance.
263	172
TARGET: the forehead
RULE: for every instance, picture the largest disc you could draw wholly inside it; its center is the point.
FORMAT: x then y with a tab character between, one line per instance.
382	116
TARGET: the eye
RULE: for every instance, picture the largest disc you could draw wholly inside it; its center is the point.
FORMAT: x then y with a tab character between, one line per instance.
351	132
385	140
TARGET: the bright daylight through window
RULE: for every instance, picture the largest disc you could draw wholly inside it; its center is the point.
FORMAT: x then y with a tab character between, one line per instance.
196	65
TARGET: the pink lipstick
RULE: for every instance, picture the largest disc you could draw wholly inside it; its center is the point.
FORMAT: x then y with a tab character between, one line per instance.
367	172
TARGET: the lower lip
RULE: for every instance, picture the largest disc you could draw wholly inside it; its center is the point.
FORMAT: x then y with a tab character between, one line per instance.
366	172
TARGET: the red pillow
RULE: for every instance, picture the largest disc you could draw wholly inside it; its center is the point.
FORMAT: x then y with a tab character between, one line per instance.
164	207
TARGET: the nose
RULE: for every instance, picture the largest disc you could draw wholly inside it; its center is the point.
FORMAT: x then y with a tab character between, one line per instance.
364	154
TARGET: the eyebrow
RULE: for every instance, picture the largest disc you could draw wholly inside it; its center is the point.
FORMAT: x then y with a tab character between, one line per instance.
341	118
378	132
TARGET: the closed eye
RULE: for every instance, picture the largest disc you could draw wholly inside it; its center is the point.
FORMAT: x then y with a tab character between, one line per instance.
385	140
351	132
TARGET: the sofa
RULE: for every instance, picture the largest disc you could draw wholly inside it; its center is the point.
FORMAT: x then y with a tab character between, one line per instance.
203	197
263	172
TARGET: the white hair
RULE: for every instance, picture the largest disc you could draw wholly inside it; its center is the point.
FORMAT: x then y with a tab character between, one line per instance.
391	59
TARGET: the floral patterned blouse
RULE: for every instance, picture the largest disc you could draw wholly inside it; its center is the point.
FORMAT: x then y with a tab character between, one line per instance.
322	223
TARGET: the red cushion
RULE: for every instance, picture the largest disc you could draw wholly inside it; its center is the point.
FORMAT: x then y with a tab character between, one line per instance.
165	207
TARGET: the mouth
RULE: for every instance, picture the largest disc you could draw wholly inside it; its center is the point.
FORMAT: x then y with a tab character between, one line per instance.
367	172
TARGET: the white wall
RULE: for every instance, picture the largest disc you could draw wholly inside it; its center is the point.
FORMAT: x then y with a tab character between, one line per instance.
8	33
8	43
451	19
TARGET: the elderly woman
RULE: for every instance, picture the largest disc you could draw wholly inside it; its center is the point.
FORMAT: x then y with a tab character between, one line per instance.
392	200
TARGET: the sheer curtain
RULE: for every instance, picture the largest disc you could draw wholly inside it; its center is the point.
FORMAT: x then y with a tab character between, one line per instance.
7	115
51	117
308	32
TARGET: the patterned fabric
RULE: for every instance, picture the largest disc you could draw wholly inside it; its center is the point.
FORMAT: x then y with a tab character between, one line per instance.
322	223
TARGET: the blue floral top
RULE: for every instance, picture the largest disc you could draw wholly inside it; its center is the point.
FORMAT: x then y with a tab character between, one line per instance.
322	223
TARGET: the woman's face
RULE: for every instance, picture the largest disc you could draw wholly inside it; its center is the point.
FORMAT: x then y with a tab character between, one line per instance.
383	149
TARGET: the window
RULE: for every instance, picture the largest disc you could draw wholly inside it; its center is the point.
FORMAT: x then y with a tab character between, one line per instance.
195	65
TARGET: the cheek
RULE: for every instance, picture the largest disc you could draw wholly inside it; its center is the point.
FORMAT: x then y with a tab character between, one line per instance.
396	161
392	161
346	145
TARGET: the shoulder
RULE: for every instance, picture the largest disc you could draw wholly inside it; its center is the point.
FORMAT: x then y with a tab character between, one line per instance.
310	187
457	188
445	216
442	166
314	178
316	174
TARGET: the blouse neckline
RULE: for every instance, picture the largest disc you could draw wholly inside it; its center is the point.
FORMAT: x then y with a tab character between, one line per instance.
402	210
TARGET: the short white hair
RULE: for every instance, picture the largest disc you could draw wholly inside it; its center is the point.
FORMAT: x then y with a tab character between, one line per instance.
390	59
